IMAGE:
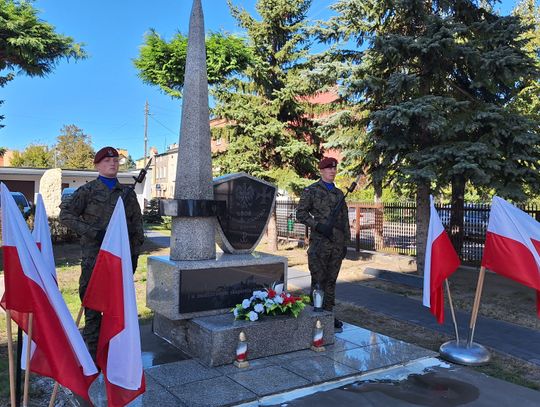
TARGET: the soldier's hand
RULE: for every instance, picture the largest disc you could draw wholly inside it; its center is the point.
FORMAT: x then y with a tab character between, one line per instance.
100	235
324	230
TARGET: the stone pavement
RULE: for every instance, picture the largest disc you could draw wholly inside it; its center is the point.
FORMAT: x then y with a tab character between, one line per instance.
174	380
361	368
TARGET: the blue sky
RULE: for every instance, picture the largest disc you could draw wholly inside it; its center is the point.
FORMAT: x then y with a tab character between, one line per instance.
102	94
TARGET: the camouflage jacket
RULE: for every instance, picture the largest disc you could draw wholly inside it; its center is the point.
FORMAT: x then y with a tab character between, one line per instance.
90	209
315	206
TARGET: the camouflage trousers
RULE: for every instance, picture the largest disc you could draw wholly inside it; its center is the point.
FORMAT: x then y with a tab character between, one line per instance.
324	261
92	318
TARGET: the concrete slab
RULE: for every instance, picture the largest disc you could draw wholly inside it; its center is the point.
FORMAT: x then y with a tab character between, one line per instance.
318	369
379	356
269	380
180	373
219	391
156	395
363	337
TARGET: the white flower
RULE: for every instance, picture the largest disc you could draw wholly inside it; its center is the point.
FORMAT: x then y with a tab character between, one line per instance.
260	294
253	316
235	312
278	288
269	303
258	308
288	295
246	303
278	299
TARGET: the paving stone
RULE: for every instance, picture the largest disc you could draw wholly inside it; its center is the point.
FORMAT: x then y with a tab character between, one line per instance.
373	357
179	373
269	380
253	364
363	337
319	369
156	395
219	391
340	345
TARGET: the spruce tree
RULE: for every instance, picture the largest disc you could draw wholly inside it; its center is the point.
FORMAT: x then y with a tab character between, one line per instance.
270	131
436	78
528	99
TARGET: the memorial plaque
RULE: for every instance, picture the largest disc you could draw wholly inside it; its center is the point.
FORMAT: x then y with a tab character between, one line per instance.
249	202
216	288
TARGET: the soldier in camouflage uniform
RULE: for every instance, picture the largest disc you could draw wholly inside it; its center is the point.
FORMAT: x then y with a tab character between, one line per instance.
88	213
328	243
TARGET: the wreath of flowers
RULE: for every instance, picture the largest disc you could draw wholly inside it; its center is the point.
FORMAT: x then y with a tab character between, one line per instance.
270	301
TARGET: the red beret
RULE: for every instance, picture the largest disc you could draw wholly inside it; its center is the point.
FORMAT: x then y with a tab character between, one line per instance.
327	162
105	152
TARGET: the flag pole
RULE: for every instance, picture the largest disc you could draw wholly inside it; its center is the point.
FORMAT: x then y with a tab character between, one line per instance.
452	309
476	305
10	358
467	353
28	356
56	385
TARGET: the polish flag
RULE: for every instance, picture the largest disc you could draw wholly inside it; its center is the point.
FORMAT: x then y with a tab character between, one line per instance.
111	291
30	288
512	245
42	236
440	262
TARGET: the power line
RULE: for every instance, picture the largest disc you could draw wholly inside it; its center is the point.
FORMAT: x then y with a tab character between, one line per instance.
162	125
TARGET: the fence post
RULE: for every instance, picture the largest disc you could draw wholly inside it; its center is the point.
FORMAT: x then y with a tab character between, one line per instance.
357	215
379	226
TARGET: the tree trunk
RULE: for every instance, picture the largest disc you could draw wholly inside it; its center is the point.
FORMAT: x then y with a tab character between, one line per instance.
271	232
422	223
377	187
456	217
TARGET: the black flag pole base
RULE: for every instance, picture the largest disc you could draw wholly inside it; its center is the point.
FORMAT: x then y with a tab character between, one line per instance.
464	353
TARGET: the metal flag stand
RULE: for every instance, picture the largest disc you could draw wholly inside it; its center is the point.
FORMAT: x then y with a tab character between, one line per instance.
461	352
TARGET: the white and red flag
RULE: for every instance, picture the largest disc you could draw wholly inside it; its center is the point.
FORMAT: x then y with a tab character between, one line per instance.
111	290
30	288
42	236
440	262
512	245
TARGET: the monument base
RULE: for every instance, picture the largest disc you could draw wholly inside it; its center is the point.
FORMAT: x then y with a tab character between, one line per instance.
192	288
213	339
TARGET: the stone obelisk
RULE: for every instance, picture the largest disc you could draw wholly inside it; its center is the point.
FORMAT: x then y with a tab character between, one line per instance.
193	237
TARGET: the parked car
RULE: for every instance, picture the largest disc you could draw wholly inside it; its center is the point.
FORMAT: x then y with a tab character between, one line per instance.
475	219
22	203
67	194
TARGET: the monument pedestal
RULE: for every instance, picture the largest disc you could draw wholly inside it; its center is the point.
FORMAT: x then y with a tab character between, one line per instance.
213	339
178	291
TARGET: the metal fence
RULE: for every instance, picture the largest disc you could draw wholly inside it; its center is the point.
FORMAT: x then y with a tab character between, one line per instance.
391	226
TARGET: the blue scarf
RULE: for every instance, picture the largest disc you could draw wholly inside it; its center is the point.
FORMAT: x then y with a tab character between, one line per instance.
110	182
329	185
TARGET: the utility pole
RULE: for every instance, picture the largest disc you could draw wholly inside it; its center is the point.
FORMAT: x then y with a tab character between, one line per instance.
145	132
